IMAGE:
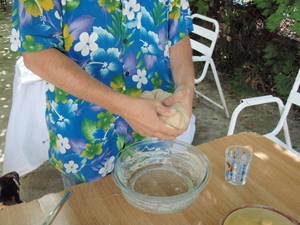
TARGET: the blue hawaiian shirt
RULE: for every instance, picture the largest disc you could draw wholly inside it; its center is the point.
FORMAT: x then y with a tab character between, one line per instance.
122	43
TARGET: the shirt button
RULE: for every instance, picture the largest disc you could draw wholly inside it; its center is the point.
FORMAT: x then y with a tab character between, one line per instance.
125	41
126	73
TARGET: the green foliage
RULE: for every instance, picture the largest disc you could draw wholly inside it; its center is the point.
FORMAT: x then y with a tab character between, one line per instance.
278	10
201	6
258	45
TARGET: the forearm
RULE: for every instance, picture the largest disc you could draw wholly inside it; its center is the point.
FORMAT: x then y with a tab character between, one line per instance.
181	64
55	67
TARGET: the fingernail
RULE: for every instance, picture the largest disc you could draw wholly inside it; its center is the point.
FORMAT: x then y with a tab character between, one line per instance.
172	110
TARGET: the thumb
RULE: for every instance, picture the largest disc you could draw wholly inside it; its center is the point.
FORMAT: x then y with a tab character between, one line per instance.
169	100
165	111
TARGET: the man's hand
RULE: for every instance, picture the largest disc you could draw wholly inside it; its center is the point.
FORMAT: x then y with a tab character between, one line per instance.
143	116
183	95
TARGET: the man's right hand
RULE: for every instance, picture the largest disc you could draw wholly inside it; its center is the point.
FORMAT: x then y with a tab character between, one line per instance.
143	116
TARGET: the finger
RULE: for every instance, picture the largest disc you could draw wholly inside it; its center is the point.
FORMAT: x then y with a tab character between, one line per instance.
142	131
169	134
162	136
169	130
169	101
156	131
148	133
164	110
174	98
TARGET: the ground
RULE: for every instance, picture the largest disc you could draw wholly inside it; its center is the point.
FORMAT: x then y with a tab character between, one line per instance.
211	122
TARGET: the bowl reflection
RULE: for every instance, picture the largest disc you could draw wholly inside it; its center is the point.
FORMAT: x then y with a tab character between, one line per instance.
161	176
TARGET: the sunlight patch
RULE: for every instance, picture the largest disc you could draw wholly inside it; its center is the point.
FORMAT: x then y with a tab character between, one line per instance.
261	155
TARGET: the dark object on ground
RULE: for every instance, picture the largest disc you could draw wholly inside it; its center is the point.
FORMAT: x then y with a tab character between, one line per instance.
3	4
9	189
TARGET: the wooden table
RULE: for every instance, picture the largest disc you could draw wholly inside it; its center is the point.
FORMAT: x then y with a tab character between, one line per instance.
274	180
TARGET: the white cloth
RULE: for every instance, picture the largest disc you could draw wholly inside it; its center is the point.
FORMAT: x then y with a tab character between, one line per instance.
27	138
188	135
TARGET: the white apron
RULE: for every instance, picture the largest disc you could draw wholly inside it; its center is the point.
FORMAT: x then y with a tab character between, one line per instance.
27	139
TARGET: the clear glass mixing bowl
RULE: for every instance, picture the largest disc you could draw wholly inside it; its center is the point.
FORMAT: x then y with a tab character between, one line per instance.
161	176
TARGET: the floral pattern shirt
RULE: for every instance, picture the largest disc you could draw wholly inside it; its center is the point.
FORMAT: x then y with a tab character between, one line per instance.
122	43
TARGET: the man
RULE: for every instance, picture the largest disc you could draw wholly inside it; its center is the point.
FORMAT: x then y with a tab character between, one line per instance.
101	55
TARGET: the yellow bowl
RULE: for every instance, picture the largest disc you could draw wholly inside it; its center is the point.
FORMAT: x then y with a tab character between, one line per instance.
258	215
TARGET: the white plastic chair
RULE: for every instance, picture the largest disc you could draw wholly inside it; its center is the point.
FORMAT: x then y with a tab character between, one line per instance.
206	57
294	98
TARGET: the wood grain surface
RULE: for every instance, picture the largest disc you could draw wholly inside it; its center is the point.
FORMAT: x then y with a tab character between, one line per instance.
274	180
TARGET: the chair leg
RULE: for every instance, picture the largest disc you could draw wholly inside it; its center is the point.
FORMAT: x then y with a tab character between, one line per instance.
234	117
215	73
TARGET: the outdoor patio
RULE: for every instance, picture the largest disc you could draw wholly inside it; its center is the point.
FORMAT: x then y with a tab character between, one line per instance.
211	122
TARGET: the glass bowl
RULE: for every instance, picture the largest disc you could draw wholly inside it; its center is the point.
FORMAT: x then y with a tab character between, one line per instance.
161	176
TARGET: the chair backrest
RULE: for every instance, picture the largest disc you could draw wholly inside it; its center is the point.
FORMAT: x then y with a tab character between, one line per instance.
209	34
294	98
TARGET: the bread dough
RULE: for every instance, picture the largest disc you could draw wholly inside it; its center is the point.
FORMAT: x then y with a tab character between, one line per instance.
180	120
256	216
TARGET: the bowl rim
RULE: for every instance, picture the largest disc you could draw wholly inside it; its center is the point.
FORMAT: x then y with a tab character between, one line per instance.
194	190
290	218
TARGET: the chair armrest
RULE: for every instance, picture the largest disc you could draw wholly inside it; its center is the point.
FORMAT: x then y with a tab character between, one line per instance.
207	61
261	100
251	102
202	58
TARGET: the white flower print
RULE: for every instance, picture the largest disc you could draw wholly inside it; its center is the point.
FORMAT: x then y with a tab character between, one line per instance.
104	61
15	42
49	118
62	144
106	67
57	15
49	87
185	4
62	121
139	20
140	78
149	43
110	64
170	5
63	2
167	47
108	167
166	51
163	1
130	7
71	167
87	43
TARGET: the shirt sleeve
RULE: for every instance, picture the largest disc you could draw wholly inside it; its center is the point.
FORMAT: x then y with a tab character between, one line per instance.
180	20
36	25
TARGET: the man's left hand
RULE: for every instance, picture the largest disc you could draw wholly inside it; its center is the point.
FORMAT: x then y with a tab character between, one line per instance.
183	95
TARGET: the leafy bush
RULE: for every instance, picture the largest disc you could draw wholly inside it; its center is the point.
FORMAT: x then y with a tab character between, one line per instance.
259	44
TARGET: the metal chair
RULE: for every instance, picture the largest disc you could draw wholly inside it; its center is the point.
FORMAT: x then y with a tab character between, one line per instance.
294	98
206	51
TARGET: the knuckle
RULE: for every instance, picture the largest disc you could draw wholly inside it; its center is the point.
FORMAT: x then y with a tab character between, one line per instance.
180	94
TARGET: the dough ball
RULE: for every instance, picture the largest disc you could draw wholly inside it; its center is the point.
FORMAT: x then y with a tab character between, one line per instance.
180	119
266	222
